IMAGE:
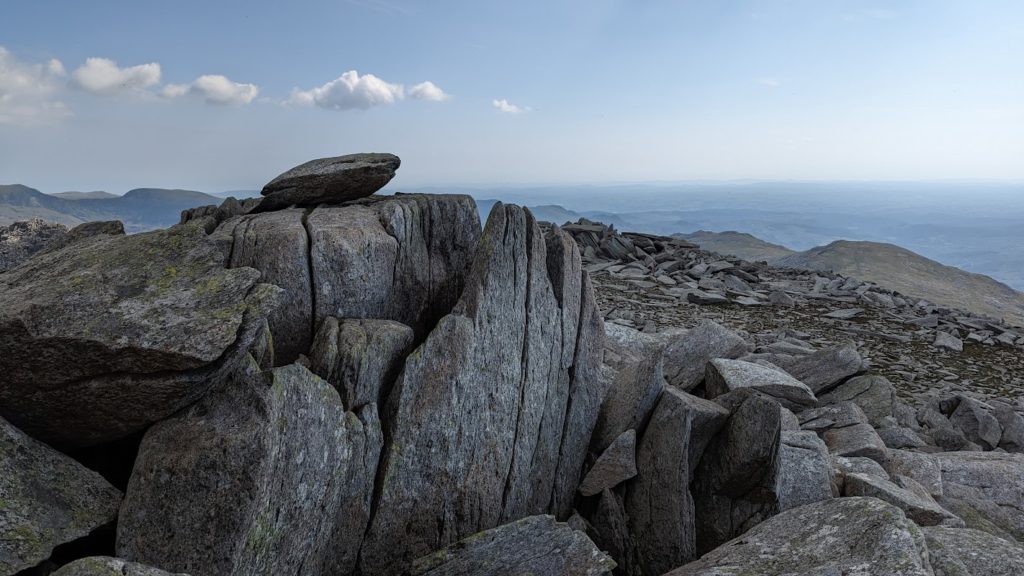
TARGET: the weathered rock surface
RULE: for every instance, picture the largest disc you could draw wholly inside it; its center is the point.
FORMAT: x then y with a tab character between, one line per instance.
112	333
736	483
21	240
106	566
805	474
46	499
920	508
824	370
330	180
536	545
990	483
975	420
838	536
875	395
846	431
630	400
492	395
687	354
659	505
724	376
615	465
966	552
266	475
361	358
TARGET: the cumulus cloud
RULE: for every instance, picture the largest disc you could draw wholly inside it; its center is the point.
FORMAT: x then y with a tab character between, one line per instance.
214	89
350	91
104	77
428	91
508	107
26	90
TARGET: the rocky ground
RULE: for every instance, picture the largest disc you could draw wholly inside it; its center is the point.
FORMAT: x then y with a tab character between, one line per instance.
335	383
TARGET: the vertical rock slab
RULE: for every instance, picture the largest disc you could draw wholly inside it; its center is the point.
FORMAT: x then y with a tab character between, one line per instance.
276	244
46	499
402	258
805	470
112	333
659	504
535	545
487	397
360	358
266	475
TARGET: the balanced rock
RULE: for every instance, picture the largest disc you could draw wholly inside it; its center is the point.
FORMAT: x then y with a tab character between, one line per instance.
112	333
837	536
686	354
46	499
724	376
502	395
106	566
330	180
534	545
266	475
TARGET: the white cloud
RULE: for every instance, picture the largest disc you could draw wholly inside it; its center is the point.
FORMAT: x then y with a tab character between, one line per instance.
350	91
103	76
214	89
508	107
26	91
428	91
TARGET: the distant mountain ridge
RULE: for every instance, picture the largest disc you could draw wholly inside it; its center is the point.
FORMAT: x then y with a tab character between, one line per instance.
139	209
741	244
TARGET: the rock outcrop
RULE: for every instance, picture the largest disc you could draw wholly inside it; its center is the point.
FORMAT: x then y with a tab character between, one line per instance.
21	240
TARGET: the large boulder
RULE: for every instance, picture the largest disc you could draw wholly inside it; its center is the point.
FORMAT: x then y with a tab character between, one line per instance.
826	369
266	475
724	376
615	465
845	429
985	484
112	333
966	552
805	470
330	180
920	508
501	395
46	499
977	423
536	545
861	536
632	396
687	354
659	505
361	358
875	396
106	566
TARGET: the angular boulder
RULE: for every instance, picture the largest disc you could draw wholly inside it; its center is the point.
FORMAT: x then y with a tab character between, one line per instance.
724	376
615	465
805	473
534	545
113	333
266	475
21	240
989	483
496	395
687	354
846	431
875	395
920	508
630	399
106	566
838	536
360	358
826	369
966	552
46	499
977	423
330	180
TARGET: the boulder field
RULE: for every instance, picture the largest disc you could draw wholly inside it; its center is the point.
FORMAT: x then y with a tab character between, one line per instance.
333	382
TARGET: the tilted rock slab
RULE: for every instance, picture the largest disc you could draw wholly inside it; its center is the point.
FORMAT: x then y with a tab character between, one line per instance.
615	465
920	508
330	180
267	475
46	499
724	376
490	419
112	333
861	536
826	369
687	354
536	545
632	396
106	566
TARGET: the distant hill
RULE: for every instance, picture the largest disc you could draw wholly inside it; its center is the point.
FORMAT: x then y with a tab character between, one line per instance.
140	209
912	274
741	244
96	195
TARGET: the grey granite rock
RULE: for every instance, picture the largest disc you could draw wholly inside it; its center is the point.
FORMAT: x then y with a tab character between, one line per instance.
875	395
966	552
629	401
723	376
922	509
615	465
975	420
805	474
106	566
20	241
330	180
688	353
46	499
536	545
826	369
845	430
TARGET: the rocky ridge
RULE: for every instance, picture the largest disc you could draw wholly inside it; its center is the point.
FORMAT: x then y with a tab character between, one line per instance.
356	384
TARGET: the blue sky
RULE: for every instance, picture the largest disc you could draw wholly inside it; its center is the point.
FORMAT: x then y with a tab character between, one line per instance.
224	95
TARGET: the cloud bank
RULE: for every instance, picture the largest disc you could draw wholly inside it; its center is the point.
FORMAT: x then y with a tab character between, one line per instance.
214	89
104	77
352	91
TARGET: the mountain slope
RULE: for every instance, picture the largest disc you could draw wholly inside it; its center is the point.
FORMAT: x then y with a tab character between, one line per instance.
95	195
912	274
140	209
741	244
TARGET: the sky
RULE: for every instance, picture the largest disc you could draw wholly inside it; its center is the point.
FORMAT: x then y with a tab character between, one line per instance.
213	96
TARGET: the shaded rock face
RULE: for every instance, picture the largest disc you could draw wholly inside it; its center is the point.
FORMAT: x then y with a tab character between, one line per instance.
615	465
501	394
687	354
330	181
875	396
113	333
46	499
659	505
534	545
804	470
105	566
724	376
920	508
824	370
21	240
966	552
837	536
402	258
223	487
633	394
